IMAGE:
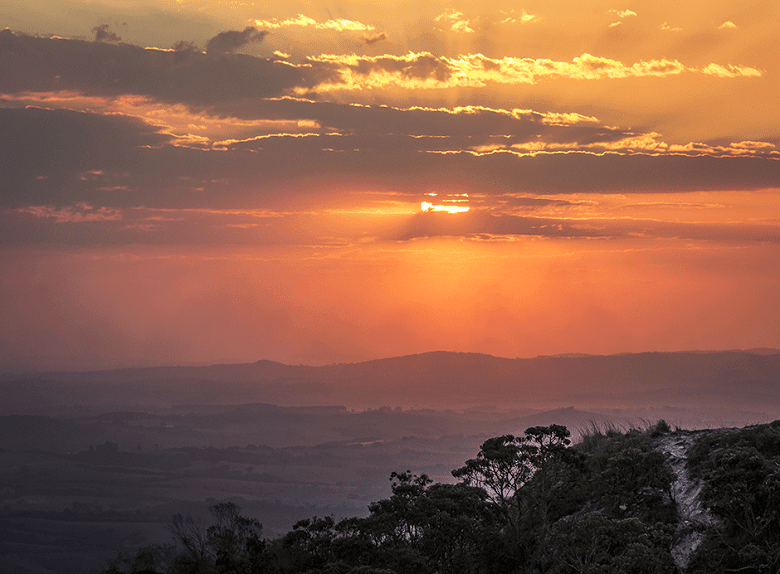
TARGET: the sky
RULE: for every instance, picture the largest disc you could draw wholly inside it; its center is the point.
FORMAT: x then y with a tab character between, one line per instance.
196	181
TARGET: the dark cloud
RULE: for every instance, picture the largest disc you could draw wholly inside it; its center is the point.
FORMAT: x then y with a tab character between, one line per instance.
43	153
374	38
62	158
28	63
184	46
104	34
480	223
230	41
533	202
81	224
85	224
422	67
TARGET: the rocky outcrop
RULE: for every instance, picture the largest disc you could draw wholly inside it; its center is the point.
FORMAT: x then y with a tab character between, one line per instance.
693	517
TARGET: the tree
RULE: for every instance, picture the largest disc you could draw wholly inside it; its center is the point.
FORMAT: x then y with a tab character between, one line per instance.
505	468
191	534
424	527
232	544
234	540
502	467
547	443
505	464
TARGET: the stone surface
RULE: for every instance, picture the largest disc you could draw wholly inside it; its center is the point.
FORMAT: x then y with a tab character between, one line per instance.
694	517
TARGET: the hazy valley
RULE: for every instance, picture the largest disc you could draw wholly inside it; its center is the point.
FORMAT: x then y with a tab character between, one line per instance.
98	462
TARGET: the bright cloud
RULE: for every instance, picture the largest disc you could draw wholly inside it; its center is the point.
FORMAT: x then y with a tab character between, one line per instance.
456	21
645	144
339	25
513	17
730	71
425	71
667	28
622	13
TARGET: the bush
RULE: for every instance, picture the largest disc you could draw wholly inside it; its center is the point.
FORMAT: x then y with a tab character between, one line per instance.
741	474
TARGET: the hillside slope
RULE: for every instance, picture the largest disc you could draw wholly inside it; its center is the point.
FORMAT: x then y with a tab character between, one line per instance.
740	379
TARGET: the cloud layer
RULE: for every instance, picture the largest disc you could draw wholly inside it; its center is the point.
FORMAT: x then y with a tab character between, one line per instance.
284	172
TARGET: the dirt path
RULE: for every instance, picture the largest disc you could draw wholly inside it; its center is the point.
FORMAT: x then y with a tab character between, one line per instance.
685	491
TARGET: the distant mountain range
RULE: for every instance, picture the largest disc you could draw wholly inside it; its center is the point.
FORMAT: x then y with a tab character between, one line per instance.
731	379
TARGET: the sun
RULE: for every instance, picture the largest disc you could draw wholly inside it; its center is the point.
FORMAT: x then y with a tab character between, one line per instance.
447	205
426	206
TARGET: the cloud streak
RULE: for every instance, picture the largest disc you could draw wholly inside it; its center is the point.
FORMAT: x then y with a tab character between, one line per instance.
392	219
425	71
80	213
301	21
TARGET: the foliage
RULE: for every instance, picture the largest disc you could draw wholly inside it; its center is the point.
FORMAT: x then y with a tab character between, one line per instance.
592	542
660	428
524	504
629	477
741	473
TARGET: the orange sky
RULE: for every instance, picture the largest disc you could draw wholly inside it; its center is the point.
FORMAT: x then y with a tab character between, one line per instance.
190	181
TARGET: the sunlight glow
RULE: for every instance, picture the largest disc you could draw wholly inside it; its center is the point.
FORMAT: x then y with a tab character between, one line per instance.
427	207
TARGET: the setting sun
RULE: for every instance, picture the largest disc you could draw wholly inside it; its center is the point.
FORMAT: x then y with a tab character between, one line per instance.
426	206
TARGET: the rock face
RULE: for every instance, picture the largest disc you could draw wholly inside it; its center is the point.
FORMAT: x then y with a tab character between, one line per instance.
694	518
